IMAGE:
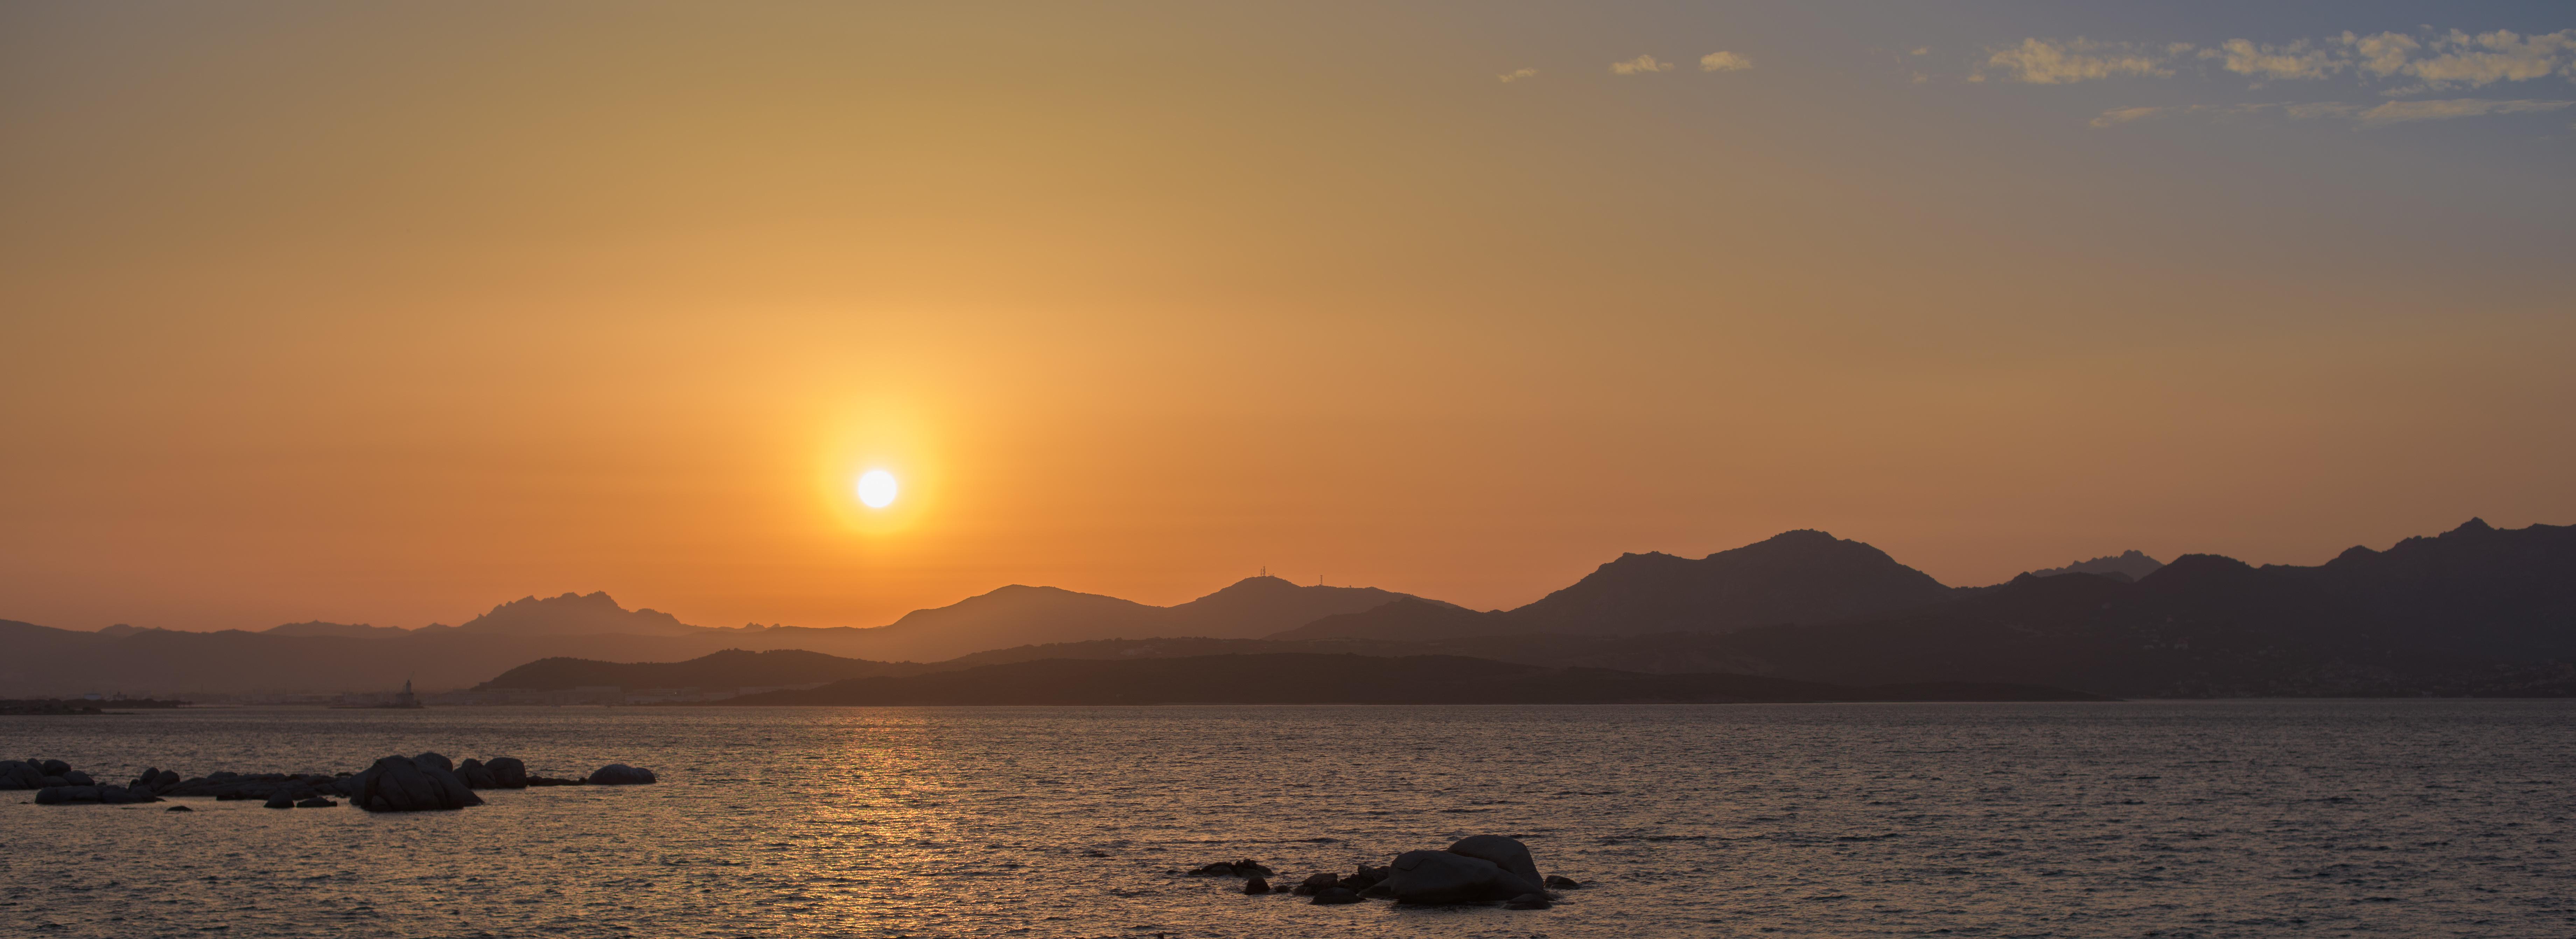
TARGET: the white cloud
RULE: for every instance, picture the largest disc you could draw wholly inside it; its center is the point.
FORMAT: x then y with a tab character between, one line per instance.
2296	60
1642	64
2395	112
2362	117
1724	62
2048	62
2487	58
1516	75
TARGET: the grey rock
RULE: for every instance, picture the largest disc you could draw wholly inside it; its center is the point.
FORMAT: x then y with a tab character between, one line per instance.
620	774
508	772
476	775
1506	853
403	784
1443	877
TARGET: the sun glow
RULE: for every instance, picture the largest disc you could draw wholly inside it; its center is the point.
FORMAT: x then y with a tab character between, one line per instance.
876	489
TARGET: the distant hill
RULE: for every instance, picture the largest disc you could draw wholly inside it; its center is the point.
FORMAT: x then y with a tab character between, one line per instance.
2128	565
575	615
731	668
348	630
37	661
1794	577
1347	679
2474	611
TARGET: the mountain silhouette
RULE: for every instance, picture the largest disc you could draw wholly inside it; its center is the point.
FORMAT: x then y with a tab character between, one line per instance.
575	615
1290	678
1796	576
2127	565
332	657
2475	610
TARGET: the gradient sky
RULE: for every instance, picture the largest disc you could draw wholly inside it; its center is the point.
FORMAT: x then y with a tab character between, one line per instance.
390	312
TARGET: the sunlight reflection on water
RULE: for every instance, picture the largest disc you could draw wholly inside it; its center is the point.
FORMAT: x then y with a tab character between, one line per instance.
2194	819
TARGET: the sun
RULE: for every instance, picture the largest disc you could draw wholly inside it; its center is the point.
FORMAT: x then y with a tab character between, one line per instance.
876	489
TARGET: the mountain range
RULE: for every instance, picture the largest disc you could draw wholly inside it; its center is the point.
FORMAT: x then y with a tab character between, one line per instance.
2476	610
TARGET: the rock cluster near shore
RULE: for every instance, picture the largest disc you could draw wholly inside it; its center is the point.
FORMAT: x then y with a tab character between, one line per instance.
1476	869
428	782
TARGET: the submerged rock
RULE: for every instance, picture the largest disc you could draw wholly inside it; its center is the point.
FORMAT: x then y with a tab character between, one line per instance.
1529	901
280	801
178	808
1256	885
1330	896
317	802
620	774
1555	882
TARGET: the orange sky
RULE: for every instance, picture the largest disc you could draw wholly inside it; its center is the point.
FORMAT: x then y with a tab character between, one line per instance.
387	314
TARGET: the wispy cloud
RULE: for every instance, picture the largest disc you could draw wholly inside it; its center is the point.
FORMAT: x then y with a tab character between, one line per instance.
2058	62
2296	60
2428	60
1724	62
1642	64
2363	117
1516	75
2457	58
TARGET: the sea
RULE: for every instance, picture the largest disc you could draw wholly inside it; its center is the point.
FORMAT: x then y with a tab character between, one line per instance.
2136	819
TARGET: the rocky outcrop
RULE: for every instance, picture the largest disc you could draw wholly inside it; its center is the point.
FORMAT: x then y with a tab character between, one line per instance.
1477	869
108	795
1506	853
508	772
620	774
411	784
394	784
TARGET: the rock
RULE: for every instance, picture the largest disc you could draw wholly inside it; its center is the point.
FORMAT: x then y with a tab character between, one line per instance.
1555	882
66	795
53	767
317	802
280	801
620	774
1317	882
1249	867
1356	882
1256	885
125	795
1506	853
477	775
21	774
78	778
1443	877
1335	895
551	781
178	808
433	759
1218	869
404	784
1528	901
508	772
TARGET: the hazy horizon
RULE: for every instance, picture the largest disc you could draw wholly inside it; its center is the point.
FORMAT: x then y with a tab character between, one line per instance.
385	314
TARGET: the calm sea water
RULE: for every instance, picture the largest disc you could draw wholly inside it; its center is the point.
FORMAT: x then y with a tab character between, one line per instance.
2411	818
